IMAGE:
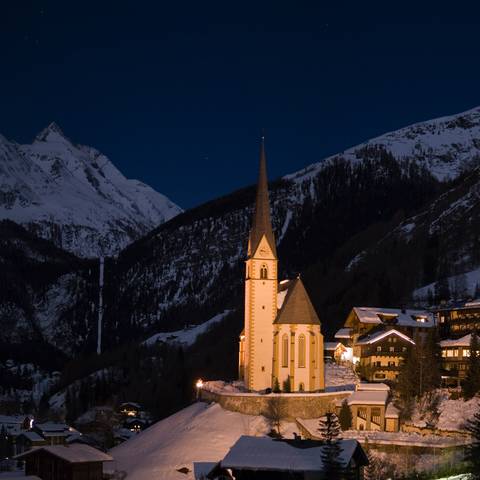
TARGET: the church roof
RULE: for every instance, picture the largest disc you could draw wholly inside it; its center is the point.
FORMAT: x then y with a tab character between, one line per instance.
262	224
297	307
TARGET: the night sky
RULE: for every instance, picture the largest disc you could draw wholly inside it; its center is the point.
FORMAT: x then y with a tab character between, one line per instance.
176	93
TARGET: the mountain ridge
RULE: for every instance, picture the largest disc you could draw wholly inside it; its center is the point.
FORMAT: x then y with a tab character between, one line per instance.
73	195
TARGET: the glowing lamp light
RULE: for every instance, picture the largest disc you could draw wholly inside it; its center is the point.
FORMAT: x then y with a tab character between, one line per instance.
199	386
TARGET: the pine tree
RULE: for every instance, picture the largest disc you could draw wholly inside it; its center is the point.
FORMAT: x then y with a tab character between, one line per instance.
345	416
473	449
430	354
329	430
371	470
471	384
3	443
276	386
287	387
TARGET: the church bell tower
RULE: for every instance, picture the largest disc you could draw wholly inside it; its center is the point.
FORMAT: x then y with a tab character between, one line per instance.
261	281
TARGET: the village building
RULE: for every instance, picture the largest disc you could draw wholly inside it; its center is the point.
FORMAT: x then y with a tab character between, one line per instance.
267	458
61	462
344	335
282	341
53	433
381	354
27	440
414	323
455	358
130	409
459	320
371	409
336	351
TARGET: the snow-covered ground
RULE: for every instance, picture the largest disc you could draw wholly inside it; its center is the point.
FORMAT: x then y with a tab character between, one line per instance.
187	336
339	377
199	433
453	413
468	280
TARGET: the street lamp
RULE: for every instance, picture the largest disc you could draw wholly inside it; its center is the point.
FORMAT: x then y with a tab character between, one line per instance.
199	386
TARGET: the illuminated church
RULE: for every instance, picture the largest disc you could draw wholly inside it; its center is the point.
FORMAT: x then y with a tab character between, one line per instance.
282	340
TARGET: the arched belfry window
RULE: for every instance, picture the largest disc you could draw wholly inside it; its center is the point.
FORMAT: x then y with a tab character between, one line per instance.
301	351
264	272
285	351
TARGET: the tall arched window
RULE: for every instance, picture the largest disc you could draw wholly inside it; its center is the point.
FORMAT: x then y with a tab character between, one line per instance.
285	351
263	272
301	351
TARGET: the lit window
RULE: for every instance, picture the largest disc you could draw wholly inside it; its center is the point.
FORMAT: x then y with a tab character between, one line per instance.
285	351
404	349
392	349
466	352
301	351
379	349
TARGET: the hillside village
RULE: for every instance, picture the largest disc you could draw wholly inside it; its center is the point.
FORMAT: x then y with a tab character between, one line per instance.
394	388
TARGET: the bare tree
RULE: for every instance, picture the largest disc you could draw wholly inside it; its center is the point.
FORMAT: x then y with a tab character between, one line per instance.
276	411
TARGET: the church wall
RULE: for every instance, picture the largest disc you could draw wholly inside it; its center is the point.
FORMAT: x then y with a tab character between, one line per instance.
294	405
311	374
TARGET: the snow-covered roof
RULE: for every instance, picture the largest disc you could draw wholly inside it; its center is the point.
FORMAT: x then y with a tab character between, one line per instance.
11	419
131	404
369	339
265	453
32	436
392	411
343	333
75	453
457	342
373	386
404	318
331	345
368	397
50	427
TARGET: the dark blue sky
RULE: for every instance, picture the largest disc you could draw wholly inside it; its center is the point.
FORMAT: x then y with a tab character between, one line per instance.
175	93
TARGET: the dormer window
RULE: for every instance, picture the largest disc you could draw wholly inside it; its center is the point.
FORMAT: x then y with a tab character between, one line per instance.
264	272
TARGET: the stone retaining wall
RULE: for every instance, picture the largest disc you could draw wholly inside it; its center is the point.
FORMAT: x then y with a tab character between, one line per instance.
295	405
433	431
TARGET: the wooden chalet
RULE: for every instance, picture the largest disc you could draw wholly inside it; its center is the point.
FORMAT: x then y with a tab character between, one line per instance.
60	462
455	358
459	320
413	323
381	353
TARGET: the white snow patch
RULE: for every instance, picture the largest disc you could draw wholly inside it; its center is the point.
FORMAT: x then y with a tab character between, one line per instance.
187	336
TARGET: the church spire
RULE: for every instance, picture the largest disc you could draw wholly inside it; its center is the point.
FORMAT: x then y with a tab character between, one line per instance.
262	224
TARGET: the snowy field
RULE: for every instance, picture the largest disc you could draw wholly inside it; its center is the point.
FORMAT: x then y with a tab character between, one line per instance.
187	336
199	433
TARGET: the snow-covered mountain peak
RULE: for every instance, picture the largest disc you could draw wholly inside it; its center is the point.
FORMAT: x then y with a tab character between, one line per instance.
73	195
446	146
52	133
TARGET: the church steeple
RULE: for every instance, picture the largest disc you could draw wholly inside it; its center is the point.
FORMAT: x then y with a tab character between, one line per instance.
262	225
